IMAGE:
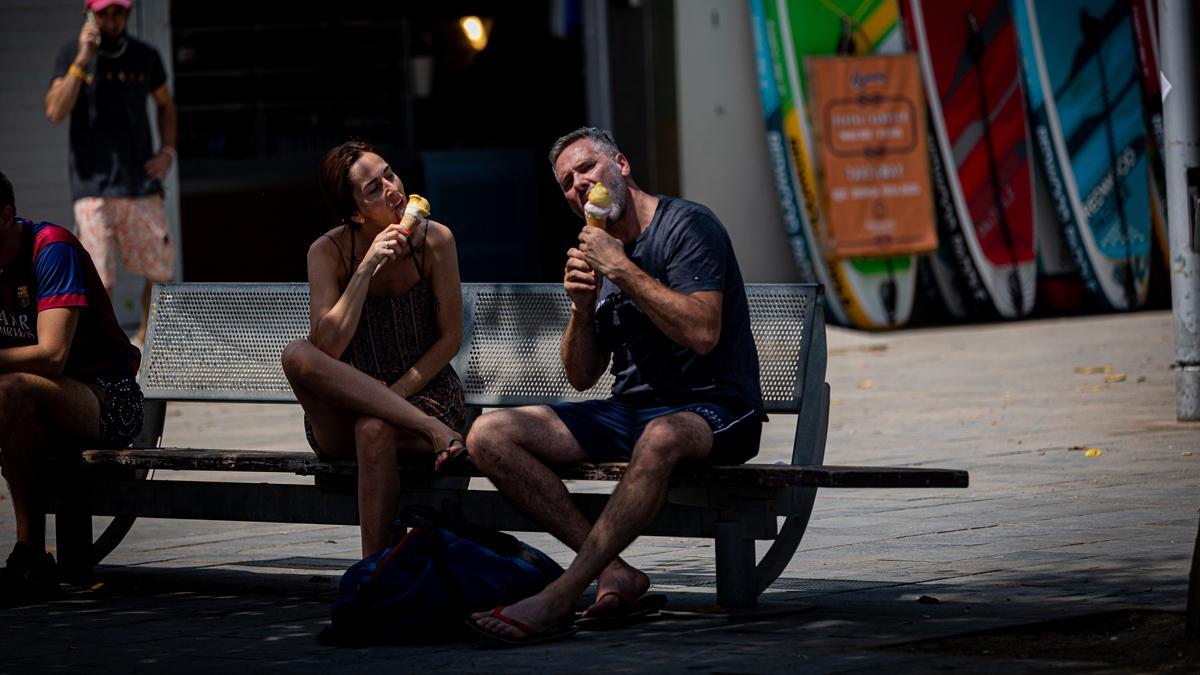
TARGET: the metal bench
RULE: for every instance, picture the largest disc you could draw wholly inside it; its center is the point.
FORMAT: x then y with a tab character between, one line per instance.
222	342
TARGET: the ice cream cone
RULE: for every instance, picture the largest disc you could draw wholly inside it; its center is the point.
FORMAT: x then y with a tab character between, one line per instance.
599	207
416	211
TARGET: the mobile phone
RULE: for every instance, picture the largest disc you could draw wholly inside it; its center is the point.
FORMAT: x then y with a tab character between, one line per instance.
91	19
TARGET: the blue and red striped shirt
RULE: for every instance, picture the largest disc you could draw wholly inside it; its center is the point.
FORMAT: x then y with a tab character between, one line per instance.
52	269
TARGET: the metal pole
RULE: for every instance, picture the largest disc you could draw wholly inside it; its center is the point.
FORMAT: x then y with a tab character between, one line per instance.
1177	23
595	57
1192	626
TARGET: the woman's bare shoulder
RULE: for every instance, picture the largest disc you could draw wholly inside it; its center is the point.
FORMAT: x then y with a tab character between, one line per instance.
330	243
438	235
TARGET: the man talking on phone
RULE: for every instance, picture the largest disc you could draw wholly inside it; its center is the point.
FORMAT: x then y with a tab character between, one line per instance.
101	81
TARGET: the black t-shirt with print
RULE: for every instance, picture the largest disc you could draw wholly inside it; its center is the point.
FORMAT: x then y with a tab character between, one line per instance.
688	250
110	137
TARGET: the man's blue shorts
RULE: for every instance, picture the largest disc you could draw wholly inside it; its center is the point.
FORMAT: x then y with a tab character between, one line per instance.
608	429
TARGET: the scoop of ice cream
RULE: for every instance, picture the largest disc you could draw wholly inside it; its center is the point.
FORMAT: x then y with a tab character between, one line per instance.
416	211
599	196
598	206
596	211
417	205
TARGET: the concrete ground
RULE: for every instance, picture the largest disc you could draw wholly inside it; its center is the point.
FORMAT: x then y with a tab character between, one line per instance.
1084	496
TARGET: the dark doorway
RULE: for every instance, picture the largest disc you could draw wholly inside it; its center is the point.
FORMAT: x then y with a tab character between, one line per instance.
264	91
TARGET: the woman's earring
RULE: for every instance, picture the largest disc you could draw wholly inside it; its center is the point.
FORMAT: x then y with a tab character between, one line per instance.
360	220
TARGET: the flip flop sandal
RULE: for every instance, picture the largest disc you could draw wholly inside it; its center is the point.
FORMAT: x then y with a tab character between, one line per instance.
530	635
458	459
628	610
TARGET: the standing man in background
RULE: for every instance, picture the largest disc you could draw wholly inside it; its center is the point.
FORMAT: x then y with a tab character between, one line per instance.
101	82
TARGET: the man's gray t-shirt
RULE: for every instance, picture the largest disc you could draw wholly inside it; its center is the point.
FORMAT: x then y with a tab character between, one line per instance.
688	250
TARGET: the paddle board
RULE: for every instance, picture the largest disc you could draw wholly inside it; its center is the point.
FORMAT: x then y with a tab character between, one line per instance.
1145	32
876	293
1081	81
986	262
779	113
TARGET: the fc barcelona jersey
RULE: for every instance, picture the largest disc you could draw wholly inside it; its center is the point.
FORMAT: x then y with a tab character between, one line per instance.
52	269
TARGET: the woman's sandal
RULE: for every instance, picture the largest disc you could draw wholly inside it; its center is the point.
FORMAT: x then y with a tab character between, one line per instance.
458	458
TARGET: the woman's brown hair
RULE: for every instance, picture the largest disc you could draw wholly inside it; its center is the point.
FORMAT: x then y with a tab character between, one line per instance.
335	179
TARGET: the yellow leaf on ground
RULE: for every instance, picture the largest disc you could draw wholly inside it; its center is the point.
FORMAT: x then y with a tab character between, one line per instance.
1092	370
1089	389
1093	452
866	384
1115	377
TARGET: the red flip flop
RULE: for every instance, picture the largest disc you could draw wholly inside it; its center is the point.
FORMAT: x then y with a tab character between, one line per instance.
531	634
627	610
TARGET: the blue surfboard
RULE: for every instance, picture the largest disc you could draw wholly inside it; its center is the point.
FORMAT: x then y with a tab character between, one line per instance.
1082	84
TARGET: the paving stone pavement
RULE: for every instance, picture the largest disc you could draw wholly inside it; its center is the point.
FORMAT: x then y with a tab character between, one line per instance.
1045	530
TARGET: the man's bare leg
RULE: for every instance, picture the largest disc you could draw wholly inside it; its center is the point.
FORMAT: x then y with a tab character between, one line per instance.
634	503
29	404
140	338
515	460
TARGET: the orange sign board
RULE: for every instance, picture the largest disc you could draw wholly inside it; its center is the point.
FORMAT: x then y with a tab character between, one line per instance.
869	118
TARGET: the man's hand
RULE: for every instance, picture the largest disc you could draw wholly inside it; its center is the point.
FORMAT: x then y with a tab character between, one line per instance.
580	281
158	165
89	40
602	252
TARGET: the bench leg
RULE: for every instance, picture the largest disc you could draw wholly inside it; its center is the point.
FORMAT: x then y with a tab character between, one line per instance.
735	567
73	532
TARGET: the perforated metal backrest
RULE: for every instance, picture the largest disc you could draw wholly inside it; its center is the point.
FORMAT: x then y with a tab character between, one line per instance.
512	332
223	342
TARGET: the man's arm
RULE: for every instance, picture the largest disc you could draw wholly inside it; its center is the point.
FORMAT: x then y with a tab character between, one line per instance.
689	319
158	165
64	90
692	320
583	357
55	331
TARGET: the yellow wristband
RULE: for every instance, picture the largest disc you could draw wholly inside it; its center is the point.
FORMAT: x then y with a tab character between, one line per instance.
83	77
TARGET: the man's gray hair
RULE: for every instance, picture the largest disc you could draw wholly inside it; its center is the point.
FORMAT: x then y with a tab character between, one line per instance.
603	138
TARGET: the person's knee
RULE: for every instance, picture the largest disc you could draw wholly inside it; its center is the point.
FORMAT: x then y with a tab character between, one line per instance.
296	358
16	398
374	440
487	436
667	441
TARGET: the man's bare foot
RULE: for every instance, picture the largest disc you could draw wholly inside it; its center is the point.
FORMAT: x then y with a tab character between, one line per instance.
616	580
541	612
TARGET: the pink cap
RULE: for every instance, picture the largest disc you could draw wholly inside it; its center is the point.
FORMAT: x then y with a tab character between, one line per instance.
97	5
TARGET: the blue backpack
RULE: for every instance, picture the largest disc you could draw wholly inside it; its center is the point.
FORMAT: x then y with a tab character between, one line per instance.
441	571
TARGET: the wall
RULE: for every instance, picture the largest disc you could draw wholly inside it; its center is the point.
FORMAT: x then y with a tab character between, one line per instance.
723	159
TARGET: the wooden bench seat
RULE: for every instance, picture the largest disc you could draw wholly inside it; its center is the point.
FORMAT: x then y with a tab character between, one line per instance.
222	342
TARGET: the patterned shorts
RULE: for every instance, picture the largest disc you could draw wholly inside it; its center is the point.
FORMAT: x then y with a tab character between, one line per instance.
134	227
121	410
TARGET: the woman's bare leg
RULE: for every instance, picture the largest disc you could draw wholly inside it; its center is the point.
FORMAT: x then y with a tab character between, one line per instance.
329	383
377	445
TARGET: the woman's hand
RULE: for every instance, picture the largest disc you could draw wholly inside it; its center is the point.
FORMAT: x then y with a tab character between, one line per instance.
389	244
